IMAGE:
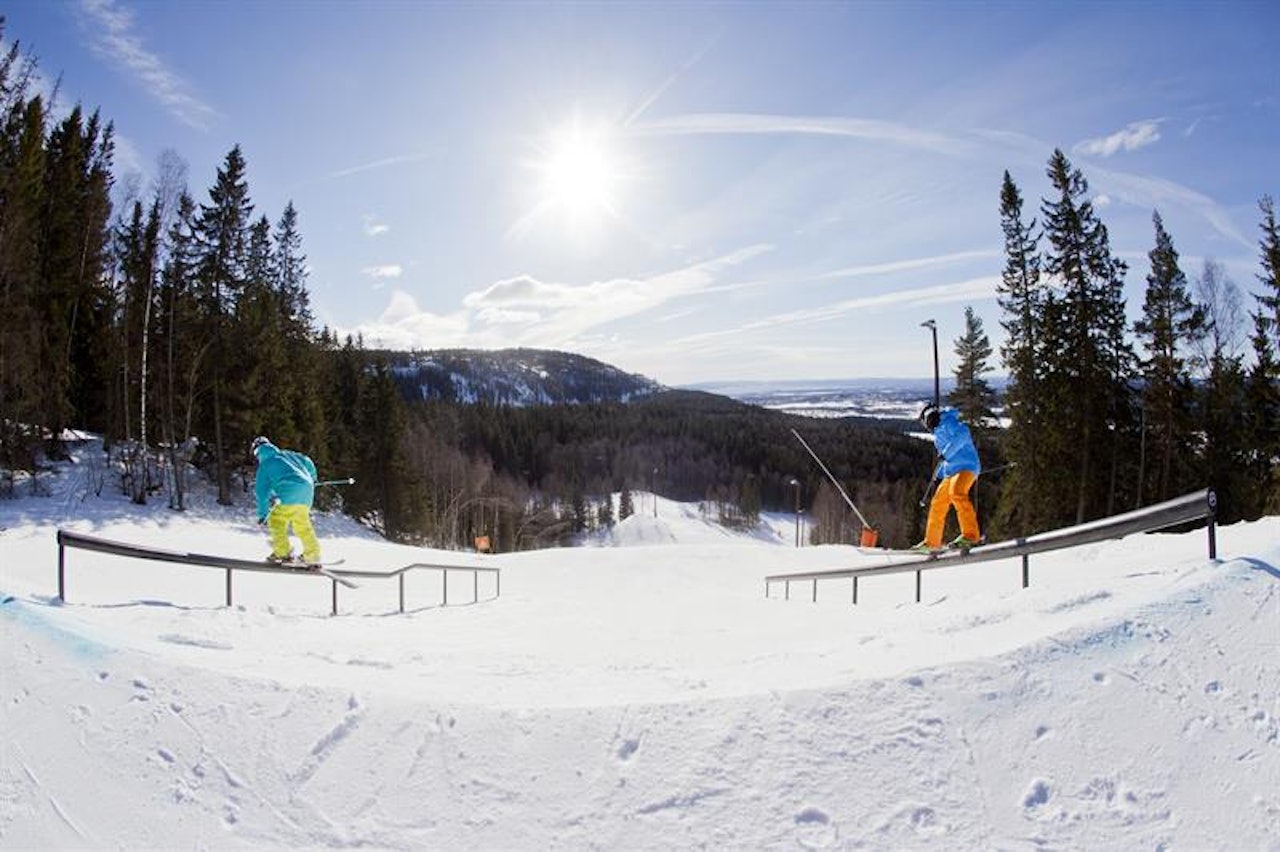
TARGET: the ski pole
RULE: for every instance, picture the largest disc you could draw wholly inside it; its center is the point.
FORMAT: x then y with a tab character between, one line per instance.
834	481
932	482
351	480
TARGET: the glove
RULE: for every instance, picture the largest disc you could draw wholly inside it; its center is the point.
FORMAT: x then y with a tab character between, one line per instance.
262	522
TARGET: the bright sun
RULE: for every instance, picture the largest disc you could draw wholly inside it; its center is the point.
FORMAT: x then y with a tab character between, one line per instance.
578	174
578	178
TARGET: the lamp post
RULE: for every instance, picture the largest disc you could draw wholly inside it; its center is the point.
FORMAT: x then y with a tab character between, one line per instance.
937	381
796	484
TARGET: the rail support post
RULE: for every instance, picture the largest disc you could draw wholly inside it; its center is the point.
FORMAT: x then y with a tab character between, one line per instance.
62	567
228	587
1212	499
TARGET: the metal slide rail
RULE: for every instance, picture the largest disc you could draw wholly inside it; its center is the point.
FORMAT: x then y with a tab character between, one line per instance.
399	573
1197	506
68	539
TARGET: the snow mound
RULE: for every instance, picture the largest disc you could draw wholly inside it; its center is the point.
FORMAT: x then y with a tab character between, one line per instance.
639	694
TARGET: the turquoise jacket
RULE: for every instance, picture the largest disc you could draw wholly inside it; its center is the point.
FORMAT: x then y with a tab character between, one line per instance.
955	445
284	474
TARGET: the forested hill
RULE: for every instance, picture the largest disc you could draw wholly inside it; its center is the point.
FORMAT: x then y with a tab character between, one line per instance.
514	377
687	445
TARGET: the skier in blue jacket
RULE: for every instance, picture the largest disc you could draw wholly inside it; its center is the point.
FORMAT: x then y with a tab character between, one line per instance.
285	488
958	469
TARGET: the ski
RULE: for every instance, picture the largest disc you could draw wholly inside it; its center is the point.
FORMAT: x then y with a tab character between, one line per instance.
298	563
926	556
322	568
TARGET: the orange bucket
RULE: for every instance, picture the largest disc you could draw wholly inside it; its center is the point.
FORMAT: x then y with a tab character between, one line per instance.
869	537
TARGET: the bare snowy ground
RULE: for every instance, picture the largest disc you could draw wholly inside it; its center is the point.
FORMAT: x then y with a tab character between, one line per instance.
641	693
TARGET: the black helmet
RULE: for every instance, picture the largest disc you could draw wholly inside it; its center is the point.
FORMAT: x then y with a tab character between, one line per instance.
929	417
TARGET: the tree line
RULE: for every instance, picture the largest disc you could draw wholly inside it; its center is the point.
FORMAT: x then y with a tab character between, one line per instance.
1104	417
178	326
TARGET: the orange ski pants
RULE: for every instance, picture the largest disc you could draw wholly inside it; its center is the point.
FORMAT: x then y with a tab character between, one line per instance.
953	491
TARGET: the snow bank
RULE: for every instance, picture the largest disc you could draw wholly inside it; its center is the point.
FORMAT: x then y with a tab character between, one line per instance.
643	693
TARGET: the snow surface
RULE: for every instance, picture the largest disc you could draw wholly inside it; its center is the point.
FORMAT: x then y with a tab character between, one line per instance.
638	693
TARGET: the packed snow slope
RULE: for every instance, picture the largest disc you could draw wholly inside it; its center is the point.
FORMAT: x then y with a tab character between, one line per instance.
639	692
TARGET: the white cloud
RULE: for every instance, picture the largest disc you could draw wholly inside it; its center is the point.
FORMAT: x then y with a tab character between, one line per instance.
377	164
114	39
566	311
749	123
401	307
1138	134
1152	192
404	325
908	265
372	227
975	289
524	311
390	270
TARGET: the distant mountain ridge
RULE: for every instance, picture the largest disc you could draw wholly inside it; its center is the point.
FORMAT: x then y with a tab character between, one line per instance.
518	377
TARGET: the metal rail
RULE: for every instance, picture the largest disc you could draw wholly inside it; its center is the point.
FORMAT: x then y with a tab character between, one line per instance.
1199	505
400	573
68	539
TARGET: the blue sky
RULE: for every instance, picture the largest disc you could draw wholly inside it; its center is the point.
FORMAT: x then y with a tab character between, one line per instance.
692	191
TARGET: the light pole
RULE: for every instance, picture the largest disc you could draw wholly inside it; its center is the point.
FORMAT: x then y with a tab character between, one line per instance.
937	381
796	483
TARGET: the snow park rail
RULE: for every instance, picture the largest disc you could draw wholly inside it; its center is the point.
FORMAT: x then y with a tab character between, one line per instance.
444	569
1197	506
68	539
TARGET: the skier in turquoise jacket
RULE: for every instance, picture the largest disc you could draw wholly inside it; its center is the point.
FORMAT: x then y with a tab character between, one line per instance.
285	487
958	469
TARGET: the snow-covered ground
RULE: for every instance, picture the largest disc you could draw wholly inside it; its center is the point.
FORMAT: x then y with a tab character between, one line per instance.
638	693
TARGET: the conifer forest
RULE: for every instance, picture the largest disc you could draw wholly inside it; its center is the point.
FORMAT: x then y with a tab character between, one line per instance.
175	321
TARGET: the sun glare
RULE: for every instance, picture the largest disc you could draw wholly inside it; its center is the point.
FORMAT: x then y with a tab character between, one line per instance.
578	174
577	181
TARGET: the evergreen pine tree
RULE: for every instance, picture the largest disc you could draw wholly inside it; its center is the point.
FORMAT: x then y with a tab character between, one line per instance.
1088	417
1024	504
75	304
1261	407
604	514
1269	298
260	374
222	232
22	160
1170	327
1226	447
298	336
972	395
1264	380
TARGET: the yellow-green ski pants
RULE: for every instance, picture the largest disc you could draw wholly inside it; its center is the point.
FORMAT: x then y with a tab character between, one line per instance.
280	518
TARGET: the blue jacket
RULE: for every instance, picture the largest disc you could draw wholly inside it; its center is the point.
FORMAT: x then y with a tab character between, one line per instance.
285	474
955	445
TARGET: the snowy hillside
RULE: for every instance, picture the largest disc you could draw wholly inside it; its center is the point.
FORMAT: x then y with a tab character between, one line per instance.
637	693
515	377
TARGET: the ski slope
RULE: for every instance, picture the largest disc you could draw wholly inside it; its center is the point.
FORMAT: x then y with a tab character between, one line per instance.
637	692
